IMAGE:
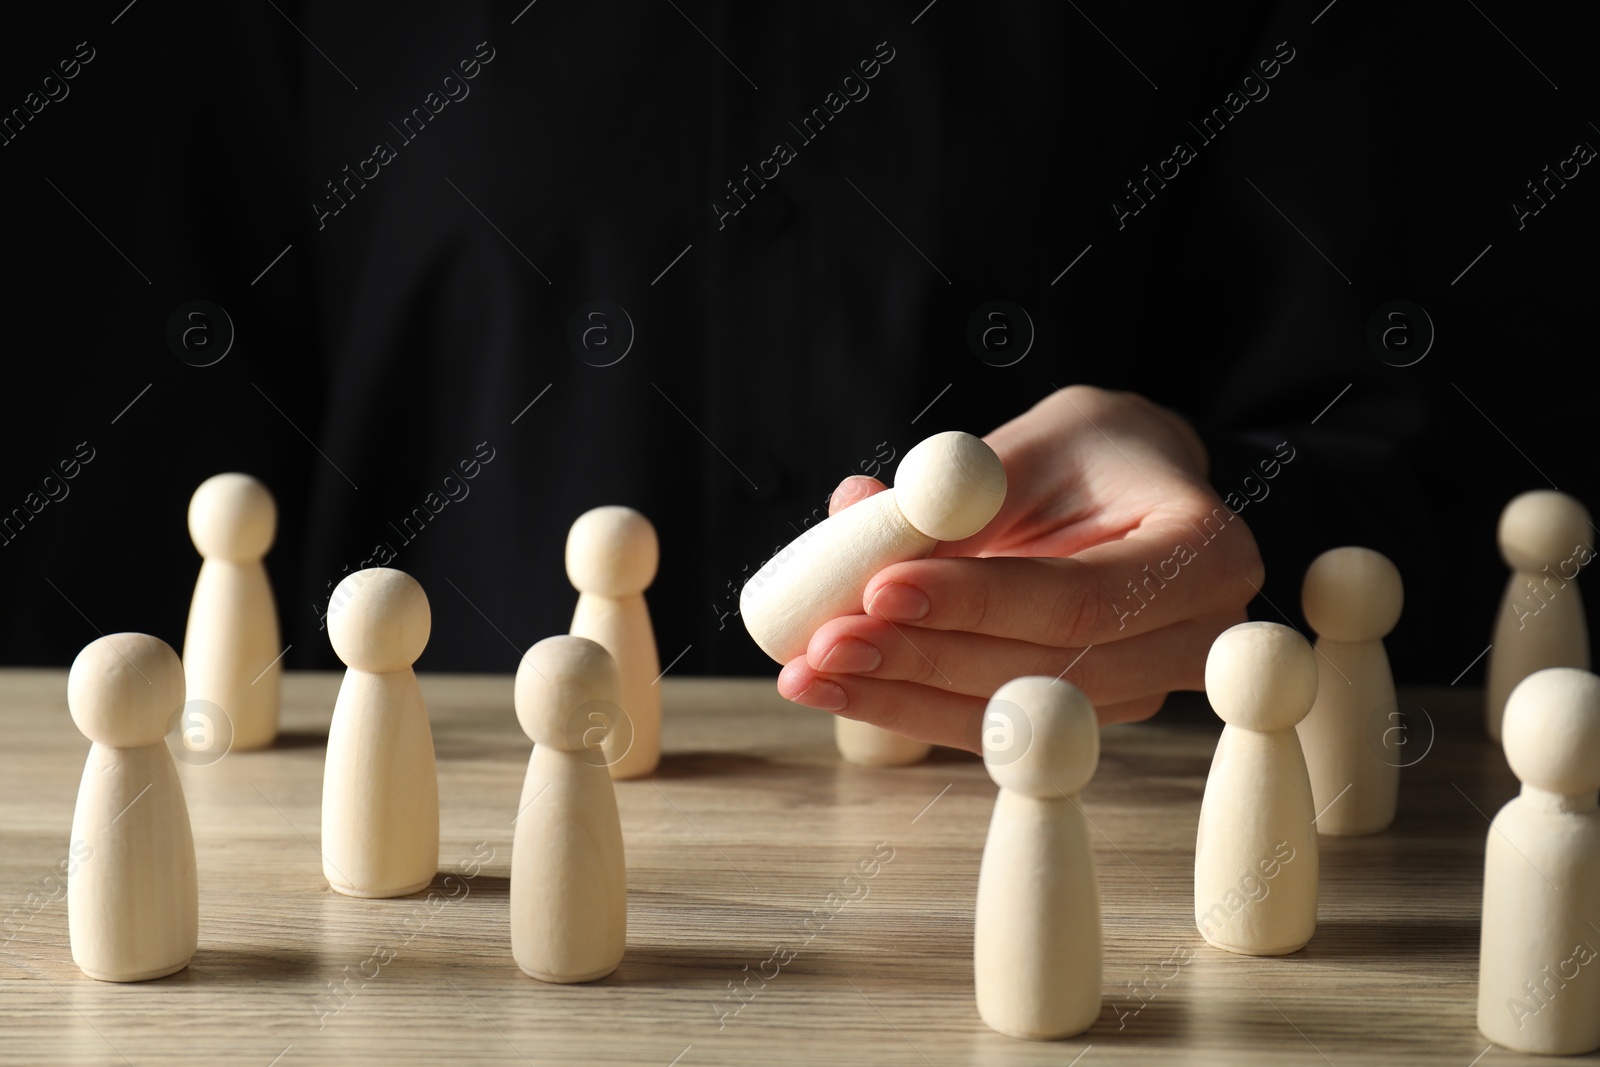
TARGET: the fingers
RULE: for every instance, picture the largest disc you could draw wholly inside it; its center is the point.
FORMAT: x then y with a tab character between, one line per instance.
1174	567
921	712
1131	710
977	664
853	490
938	716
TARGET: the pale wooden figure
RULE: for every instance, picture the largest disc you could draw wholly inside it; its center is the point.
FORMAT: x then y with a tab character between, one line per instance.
133	905
1538	975
1352	598
231	647
947	488
1037	940
1255	862
569	879
867	745
612	554
380	786
1544	539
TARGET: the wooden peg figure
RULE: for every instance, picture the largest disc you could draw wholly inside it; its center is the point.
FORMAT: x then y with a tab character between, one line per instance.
1538	976
1037	941
231	648
1544	539
612	554
946	488
1352	599
569	879
133	905
380	787
1255	855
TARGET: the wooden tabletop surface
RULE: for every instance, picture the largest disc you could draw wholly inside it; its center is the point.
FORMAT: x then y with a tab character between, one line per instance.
748	829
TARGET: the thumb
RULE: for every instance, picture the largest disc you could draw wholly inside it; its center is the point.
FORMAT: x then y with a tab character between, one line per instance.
853	490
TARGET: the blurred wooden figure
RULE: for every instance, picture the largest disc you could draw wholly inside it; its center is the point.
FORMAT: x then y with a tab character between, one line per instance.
867	745
1037	940
1352	598
380	786
612	555
133	905
232	648
569	879
1544	539
1255	861
1538	979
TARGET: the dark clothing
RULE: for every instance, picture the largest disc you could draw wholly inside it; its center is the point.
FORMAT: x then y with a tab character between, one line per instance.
798	219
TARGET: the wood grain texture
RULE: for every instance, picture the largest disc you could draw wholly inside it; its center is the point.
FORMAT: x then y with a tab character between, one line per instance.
738	852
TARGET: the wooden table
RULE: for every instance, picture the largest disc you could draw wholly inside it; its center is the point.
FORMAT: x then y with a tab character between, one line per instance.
749	826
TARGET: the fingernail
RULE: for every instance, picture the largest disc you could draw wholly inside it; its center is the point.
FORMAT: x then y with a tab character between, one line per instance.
851	656
824	696
899	602
847	493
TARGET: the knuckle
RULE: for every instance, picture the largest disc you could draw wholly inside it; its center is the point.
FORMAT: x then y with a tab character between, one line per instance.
976	607
924	667
1243	571
1074	665
1235	560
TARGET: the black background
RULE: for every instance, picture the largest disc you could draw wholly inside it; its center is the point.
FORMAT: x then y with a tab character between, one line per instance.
779	351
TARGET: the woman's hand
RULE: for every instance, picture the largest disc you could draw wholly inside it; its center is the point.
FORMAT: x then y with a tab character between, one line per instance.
1112	564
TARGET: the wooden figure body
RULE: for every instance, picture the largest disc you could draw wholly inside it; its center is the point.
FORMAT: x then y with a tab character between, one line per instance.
867	745
947	488
1352	598
1037	941
1544	539
569	879
1255	864
231	647
1538	975
380	787
612	555
133	905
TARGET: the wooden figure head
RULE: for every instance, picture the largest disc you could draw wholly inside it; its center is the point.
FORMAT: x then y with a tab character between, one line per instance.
1352	594
378	620
1551	731
125	690
950	485
1261	676
1541	529
232	517
560	680
1040	738
612	551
